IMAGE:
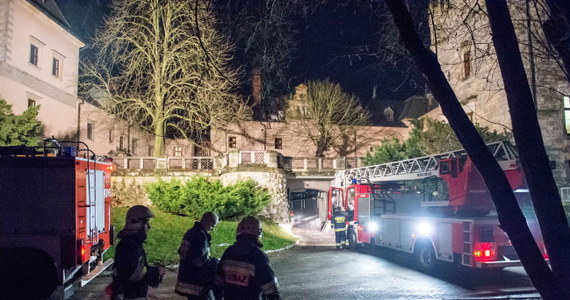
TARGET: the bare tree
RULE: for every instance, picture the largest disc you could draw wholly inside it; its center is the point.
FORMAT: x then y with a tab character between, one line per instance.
510	216
162	65
526	130
265	37
324	114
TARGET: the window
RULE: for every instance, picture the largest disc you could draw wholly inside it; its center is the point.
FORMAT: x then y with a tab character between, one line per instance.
150	150
177	150
34	51
55	67
35	48
389	114
110	136
467	64
134	146
567	114
90	131
278	143
31	103
232	142
121	143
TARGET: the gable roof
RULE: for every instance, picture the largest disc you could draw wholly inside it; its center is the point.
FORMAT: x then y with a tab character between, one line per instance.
416	106
51	10
377	107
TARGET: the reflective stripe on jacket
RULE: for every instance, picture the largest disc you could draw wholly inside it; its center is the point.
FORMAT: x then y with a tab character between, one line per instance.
339	221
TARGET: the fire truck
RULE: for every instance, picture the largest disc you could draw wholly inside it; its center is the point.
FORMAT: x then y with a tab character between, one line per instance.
436	208
55	219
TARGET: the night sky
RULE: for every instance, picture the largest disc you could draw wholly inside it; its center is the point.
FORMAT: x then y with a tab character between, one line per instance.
327	41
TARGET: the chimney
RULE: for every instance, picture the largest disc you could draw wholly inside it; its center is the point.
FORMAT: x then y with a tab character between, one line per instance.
256	86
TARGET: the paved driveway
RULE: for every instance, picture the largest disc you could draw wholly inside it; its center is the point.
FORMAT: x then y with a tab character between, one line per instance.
315	270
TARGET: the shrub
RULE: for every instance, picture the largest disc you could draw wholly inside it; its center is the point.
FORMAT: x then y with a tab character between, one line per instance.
199	195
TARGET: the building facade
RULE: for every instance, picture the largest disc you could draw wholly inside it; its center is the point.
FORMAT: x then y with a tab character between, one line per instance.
461	39
39	65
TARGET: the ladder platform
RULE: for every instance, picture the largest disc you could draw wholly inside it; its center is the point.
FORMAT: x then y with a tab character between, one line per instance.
95	272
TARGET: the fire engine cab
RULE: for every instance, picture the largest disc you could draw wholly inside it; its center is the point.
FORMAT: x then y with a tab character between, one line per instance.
436	208
55	220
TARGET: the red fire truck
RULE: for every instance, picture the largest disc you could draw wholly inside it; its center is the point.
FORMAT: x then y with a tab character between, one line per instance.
55	220
436	208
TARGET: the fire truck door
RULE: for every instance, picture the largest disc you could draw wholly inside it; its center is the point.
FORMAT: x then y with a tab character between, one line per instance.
96	203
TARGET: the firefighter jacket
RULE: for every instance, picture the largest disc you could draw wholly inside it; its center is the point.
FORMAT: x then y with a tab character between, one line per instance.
196	273
245	273
131	273
339	221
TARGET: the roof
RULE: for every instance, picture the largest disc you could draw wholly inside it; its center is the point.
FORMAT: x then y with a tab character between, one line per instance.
52	11
415	107
376	107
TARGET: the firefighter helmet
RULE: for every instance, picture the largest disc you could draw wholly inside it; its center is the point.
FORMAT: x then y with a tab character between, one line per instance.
249	225
138	213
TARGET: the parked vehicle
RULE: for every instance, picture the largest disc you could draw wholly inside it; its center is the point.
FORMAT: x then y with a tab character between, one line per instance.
55	220
436	208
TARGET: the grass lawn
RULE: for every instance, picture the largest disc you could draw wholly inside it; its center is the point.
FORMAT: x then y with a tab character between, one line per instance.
167	231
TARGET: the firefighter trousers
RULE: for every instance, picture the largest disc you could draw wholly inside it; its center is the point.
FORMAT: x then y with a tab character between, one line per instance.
340	237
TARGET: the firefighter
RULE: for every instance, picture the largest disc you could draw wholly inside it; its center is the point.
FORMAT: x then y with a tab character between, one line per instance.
339	225
197	269
244	269
131	273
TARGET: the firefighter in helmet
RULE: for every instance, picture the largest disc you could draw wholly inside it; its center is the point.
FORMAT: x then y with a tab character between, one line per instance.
197	268
339	225
244	269
131	273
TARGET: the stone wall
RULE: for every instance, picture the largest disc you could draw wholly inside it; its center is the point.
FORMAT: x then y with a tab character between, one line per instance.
128	188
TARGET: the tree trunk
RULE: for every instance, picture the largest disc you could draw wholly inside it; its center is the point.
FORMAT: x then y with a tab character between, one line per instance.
159	139
526	130
511	219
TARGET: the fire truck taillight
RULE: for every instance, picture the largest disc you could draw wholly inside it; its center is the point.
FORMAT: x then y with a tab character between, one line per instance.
485	251
81	251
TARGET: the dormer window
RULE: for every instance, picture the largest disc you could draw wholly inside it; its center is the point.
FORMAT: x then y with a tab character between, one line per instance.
389	114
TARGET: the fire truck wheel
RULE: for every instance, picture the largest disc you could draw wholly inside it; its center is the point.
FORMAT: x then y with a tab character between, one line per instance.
352	239
425	257
27	273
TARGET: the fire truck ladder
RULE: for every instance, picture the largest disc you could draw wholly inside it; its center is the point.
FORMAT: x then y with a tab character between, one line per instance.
420	167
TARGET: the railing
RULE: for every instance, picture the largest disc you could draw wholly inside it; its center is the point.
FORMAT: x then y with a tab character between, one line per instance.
234	159
169	163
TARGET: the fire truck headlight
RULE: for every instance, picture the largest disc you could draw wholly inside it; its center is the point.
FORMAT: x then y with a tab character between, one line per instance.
373	226
424	228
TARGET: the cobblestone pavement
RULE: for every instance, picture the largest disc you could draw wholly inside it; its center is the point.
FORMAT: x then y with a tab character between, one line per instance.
315	270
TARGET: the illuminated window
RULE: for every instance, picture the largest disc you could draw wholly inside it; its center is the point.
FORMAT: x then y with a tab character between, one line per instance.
34	51
567	114
232	142
90	131
177	150
278	143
